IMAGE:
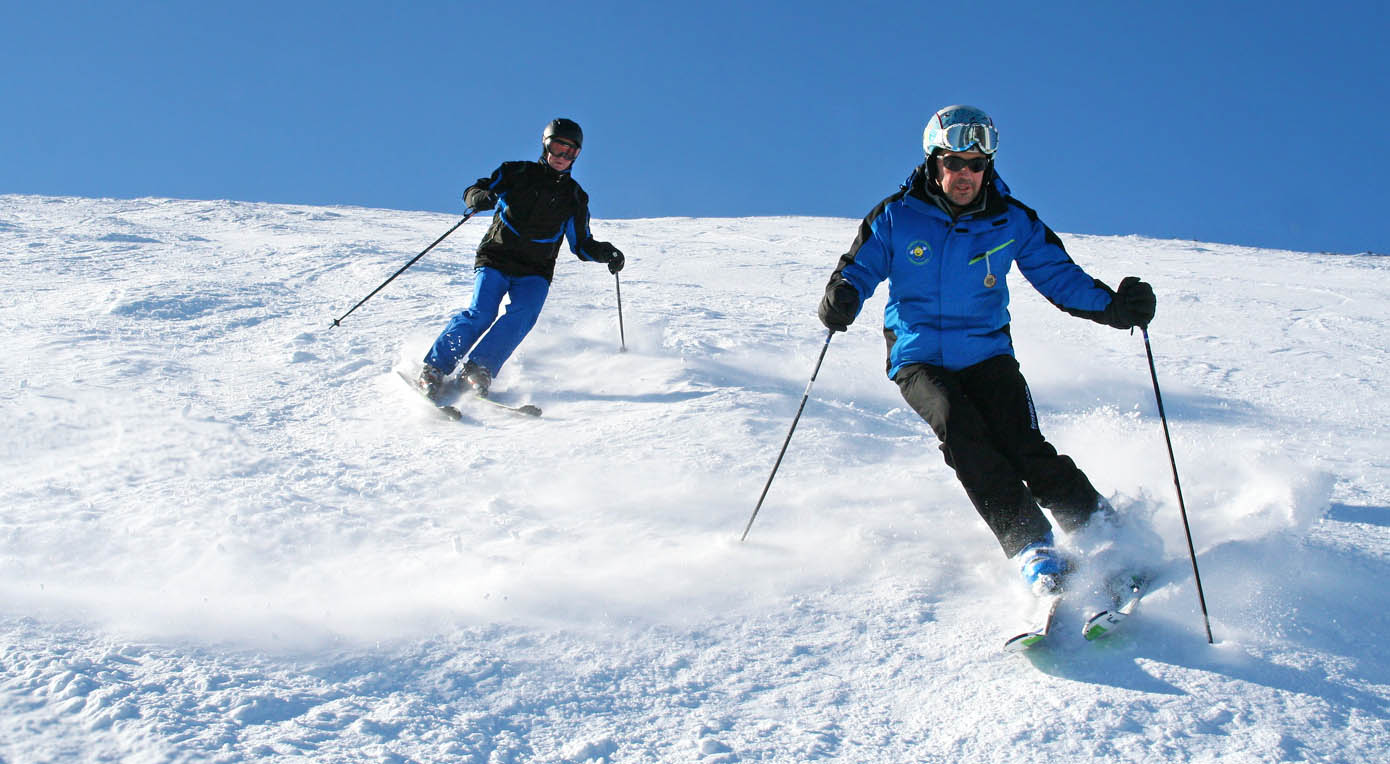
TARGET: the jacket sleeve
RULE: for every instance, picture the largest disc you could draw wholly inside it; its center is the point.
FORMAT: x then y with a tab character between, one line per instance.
581	239
869	259
497	183
1044	261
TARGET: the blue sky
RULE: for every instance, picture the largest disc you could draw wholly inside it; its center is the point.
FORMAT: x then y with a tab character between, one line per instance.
1236	122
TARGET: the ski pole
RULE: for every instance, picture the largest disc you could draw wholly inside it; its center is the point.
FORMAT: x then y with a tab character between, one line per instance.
795	419
402	270
1182	508
622	338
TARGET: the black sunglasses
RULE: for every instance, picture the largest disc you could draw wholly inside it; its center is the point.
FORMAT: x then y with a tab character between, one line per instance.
956	164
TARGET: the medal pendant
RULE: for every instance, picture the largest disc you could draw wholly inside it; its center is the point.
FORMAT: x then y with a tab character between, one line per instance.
990	280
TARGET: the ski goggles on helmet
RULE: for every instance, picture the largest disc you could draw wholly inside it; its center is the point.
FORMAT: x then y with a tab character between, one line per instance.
961	137
559	147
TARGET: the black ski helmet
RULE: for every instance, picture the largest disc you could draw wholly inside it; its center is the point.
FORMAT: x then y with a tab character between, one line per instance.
565	129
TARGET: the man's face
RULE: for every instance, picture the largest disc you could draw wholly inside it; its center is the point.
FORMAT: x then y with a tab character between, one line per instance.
963	185
560	154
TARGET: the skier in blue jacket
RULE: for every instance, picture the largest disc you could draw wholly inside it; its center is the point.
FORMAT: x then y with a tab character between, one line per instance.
538	204
945	243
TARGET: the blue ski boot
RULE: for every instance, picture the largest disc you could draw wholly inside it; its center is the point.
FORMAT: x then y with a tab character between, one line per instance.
1042	567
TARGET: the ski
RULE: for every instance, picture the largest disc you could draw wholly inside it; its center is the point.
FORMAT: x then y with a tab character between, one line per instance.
1126	591
1047	609
449	411
524	409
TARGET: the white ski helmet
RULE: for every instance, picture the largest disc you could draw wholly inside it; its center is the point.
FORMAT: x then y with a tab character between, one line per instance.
959	128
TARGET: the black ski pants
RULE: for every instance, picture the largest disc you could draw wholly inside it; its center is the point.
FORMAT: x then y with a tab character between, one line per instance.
984	417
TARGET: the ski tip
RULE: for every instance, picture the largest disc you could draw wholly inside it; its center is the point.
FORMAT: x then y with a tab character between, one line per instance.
524	410
1101	624
1023	642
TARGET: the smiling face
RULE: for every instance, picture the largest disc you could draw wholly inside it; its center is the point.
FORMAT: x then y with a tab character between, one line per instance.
961	185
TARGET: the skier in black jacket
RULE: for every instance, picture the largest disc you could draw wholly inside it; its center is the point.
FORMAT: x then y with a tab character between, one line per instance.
537	204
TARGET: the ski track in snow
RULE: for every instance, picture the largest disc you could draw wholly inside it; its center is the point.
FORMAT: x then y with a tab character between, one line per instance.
228	533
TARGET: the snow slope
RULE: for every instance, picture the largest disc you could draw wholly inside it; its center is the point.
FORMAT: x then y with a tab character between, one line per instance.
229	533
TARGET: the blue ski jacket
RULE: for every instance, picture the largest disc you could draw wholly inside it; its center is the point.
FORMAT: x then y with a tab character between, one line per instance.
948	299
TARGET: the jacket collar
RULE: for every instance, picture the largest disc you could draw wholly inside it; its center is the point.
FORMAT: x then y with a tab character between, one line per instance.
551	171
991	198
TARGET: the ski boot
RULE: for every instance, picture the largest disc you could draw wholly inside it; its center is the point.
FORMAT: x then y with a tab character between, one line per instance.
477	378
430	382
1042	567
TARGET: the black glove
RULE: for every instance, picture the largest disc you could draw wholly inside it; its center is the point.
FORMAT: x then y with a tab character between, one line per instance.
839	306
481	199
615	262
1133	305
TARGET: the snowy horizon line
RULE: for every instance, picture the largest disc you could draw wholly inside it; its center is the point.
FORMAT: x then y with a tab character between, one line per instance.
787	216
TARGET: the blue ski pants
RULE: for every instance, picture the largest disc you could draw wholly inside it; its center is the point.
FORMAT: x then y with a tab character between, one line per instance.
499	336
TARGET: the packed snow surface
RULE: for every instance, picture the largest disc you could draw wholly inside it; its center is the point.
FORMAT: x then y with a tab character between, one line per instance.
228	532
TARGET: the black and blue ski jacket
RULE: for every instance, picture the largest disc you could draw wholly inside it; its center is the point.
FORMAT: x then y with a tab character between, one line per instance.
536	207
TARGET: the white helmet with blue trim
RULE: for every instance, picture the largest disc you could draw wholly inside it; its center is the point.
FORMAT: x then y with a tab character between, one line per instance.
960	128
